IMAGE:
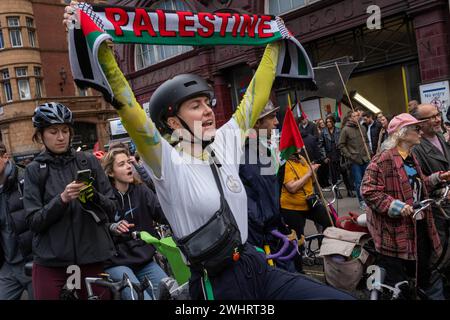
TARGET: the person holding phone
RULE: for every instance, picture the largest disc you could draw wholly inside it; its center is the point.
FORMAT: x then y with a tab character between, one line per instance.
68	199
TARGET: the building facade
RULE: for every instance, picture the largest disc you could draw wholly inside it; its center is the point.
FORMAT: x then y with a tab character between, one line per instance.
34	68
411	47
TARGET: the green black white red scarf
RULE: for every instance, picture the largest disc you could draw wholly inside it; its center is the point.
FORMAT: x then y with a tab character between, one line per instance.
138	25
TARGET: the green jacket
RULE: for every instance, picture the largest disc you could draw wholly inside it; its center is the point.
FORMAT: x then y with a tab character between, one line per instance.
351	143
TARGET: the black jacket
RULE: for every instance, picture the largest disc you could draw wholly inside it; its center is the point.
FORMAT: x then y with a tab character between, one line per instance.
374	135
330	143
263	195
311	128
432	160
140	206
315	149
66	234
14	215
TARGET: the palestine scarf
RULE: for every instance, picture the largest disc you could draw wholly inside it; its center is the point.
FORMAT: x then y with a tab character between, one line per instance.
145	26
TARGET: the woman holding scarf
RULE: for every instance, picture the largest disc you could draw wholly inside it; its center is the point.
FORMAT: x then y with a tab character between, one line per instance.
197	181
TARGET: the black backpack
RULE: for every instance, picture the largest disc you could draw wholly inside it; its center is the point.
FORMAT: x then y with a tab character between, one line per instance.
82	164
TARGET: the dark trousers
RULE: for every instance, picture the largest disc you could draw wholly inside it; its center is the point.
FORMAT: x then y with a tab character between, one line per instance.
297	219
14	281
252	278
347	178
398	270
335	171
323	175
358	174
49	281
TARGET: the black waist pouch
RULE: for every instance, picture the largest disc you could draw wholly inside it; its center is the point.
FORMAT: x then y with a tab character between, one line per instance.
213	245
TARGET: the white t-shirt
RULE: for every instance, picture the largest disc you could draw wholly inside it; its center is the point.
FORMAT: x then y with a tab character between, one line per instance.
187	191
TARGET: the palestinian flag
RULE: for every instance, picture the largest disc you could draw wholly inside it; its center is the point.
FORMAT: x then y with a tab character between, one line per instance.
84	41
338	110
291	139
132	25
303	115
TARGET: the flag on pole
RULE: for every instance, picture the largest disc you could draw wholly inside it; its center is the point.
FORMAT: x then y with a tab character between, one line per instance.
338	110
291	139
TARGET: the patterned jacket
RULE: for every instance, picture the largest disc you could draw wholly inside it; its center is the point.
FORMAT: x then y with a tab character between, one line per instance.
386	189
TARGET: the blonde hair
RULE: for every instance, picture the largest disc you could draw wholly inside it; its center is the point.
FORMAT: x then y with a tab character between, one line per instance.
108	163
394	138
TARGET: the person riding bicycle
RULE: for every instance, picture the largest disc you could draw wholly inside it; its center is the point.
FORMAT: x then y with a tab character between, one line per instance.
197	182
68	218
392	183
258	172
138	210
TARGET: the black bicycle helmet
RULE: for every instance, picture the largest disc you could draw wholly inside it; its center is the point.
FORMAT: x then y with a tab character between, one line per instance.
51	113
167	99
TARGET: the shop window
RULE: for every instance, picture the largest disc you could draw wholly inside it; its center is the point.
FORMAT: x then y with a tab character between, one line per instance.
277	7
147	55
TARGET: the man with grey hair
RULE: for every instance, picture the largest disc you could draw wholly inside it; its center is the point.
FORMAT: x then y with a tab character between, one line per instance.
433	154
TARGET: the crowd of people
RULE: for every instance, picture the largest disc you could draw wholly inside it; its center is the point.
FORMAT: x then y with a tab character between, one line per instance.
221	211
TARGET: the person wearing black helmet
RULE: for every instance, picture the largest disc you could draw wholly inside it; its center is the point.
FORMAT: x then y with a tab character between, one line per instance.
197	181
68	218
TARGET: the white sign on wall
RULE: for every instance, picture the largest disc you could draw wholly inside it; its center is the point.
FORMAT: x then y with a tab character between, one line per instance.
116	127
312	109
436	93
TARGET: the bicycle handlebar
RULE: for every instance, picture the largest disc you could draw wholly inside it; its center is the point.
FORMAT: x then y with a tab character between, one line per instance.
333	189
116	287
424	204
280	254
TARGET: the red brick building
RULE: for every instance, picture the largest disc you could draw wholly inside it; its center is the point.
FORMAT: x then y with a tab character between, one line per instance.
412	47
34	68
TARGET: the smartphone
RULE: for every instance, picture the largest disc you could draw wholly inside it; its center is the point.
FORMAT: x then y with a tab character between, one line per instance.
84	175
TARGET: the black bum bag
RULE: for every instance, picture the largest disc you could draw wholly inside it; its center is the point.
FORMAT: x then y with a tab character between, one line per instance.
213	245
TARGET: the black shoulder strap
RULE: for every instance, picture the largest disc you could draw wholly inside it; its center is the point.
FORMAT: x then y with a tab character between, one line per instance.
217	179
82	160
43	175
20	184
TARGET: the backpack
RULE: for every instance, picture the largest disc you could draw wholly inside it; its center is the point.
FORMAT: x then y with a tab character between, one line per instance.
82	162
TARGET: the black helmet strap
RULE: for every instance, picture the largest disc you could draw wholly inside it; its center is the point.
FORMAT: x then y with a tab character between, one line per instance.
205	143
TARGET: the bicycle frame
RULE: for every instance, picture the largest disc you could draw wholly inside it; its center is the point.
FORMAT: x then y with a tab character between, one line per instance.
116	287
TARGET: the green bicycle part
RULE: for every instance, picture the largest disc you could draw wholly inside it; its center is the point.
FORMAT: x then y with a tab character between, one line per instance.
168	248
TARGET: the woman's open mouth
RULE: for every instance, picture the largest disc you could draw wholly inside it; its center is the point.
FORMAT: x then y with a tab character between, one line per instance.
208	123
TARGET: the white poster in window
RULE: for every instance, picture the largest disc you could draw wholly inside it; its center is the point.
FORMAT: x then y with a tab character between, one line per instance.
312	109
436	93
116	127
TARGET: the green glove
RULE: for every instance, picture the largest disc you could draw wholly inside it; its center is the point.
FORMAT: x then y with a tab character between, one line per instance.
86	193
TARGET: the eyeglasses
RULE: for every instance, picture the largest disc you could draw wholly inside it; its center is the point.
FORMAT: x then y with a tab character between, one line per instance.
433	117
416	128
